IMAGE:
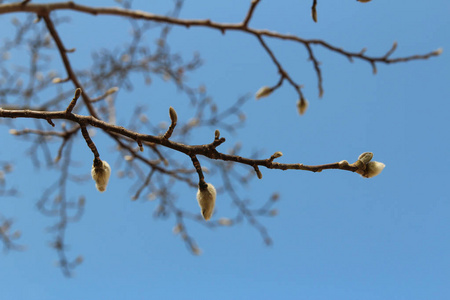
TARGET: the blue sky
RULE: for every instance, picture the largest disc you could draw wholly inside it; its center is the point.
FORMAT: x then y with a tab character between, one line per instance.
337	235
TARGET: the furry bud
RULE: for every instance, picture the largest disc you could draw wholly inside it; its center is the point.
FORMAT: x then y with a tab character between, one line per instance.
277	154
206	197
302	106
263	92
373	168
100	173
365	157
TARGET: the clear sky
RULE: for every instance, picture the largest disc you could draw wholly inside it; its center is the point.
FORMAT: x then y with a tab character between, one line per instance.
337	235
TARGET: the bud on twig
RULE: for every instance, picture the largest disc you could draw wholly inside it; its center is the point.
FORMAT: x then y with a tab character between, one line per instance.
173	115
100	173
13	132
263	92
438	51
206	197
111	91
373	168
302	106
365	157
174	119
276	155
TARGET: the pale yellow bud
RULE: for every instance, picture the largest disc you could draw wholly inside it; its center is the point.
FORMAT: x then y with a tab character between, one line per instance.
277	154
373	168
438	51
263	92
111	91
57	80
206	198
13	132
101	174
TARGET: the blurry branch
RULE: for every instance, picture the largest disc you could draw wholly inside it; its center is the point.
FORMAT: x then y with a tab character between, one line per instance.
207	150
54	203
7	237
43	10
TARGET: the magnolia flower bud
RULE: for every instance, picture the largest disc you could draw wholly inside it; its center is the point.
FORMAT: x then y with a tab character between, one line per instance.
263	92
277	154
302	106
100	173
373	168
365	157
13	132
206	197
438	51
111	91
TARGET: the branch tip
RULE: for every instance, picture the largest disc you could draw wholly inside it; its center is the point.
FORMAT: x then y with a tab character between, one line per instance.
257	171
174	119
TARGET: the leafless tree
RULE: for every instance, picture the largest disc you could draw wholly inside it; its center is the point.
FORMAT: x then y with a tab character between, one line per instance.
85	98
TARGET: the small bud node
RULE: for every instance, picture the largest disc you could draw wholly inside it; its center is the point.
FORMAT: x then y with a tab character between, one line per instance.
302	106
263	92
173	115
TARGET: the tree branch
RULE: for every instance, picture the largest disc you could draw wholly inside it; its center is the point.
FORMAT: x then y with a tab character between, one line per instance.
44	10
207	150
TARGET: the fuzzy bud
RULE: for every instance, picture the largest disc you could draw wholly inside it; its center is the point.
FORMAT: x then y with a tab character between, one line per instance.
438	51
100	173
365	157
112	91
373	168
13	132
277	154
302	106
263	92
206	197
